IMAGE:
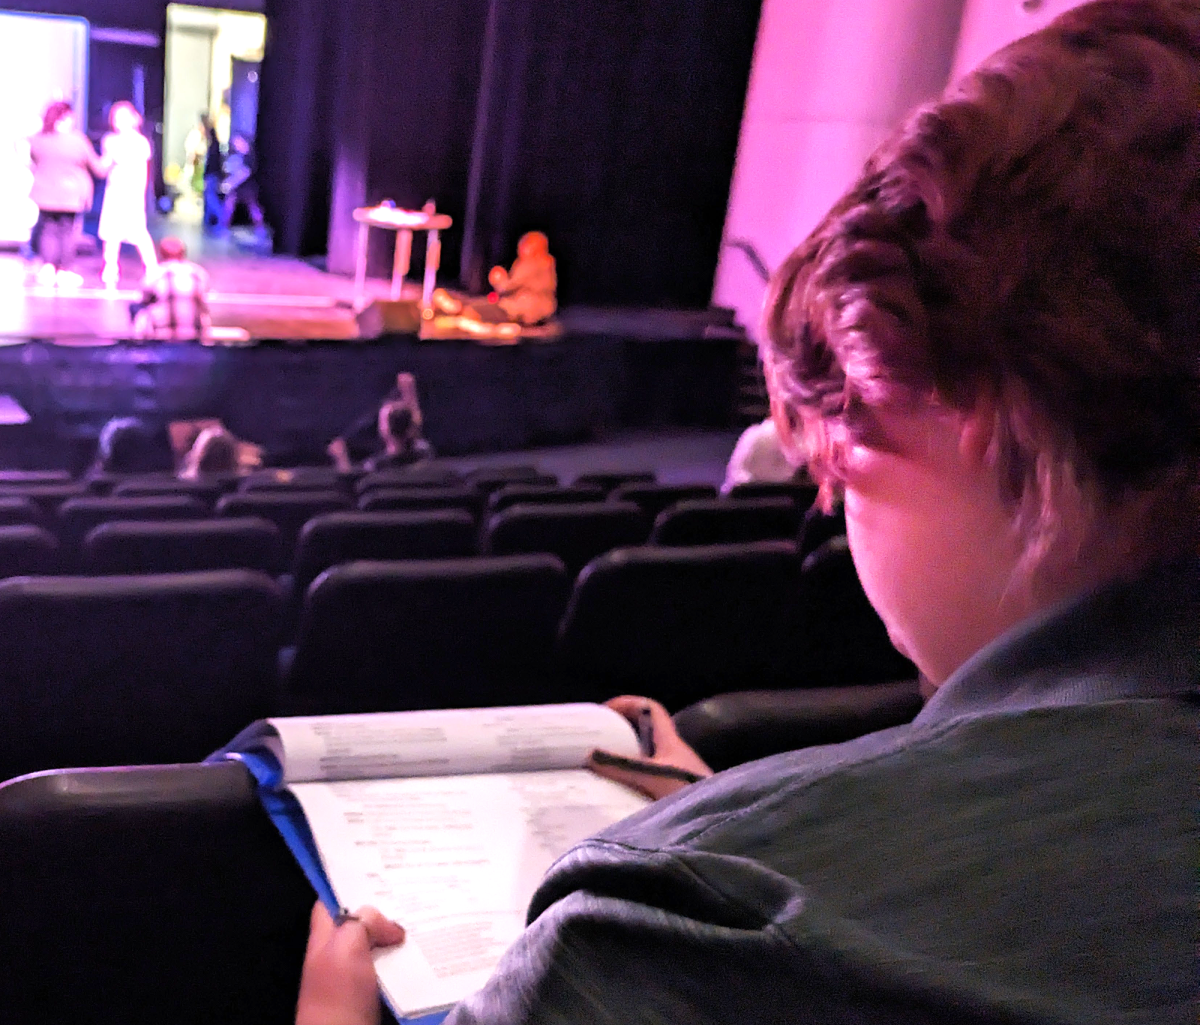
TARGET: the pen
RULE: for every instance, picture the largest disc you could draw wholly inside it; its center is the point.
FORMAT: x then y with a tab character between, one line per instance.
645	732
645	768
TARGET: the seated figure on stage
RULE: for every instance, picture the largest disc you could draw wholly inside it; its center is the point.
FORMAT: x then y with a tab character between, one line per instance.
174	307
397	423
527	293
524	297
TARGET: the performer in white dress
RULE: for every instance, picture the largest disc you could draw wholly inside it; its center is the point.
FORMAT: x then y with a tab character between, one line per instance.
123	216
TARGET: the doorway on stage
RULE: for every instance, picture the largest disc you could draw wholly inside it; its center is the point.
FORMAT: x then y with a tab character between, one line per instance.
212	71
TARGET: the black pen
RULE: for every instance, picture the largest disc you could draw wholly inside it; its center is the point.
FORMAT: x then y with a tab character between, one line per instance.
645	768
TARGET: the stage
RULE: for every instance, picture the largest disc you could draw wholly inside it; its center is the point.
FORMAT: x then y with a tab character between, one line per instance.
306	378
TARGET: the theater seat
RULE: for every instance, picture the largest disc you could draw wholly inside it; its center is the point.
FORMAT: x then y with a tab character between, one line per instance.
20	477
122	670
817	527
300	478
182	546
802	494
349	536
544	494
422	498
205	491
144	896
654	498
843	640
575	533
730	729
26	550
419	475
491	479
17	510
47	497
456	633
681	624
715	521
78	516
288	510
610	481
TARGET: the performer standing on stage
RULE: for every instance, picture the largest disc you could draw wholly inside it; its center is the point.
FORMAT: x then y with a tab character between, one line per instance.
123	216
63	164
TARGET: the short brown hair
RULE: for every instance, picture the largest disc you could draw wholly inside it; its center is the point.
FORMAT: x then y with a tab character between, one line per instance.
172	248
1034	237
54	114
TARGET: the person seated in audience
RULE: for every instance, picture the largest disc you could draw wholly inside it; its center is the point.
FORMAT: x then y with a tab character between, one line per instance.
129	445
990	348
758	457
174	307
215	451
400	434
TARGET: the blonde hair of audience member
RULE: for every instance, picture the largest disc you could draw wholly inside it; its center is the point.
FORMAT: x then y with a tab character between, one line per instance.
214	451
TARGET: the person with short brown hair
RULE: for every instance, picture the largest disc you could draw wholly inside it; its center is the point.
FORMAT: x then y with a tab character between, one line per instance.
990	350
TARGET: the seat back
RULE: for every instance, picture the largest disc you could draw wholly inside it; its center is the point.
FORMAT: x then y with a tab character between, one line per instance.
802	493
545	494
610	481
716	521
127	670
182	546
164	893
47	497
20	477
288	510
78	516
575	533
456	633
300	478
354	536
844	641
26	550
494	478
421	498
16	510
818	527
419	475
681	624
205	491
654	498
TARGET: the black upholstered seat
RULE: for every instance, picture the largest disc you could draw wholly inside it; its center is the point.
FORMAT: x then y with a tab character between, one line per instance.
122	670
203	490
78	516
544	494
418	475
492	478
818	527
28	550
182	546
353	536
459	496
47	497
575	533
377	636
288	510
681	624
654	498
164	894
803	494
610	481
17	510
730	729
300	478
715	521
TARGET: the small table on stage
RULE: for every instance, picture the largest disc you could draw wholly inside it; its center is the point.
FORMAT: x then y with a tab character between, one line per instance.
403	223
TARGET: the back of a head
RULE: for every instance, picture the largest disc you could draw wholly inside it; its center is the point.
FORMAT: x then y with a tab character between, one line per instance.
214	451
172	248
54	113
127	445
1032	239
395	421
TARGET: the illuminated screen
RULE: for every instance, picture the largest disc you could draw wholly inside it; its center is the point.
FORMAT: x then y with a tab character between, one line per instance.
42	59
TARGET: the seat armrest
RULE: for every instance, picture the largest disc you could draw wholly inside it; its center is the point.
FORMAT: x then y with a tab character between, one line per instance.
730	729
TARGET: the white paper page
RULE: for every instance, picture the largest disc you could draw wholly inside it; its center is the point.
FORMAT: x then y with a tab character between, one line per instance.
455	860
447	742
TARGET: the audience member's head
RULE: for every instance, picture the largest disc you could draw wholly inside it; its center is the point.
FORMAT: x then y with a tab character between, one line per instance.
59	116
172	248
396	424
214	451
991	342
128	445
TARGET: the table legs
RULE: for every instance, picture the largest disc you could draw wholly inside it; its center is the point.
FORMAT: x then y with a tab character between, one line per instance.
360	266
401	262
433	260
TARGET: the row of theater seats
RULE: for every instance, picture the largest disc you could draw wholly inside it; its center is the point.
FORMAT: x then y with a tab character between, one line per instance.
141	669
281	528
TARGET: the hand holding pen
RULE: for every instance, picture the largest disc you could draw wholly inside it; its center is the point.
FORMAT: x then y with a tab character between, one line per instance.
667	764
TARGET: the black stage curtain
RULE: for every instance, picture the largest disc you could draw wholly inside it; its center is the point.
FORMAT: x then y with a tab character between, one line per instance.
612	126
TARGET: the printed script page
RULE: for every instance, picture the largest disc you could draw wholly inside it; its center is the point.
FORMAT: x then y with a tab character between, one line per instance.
438	743
455	860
